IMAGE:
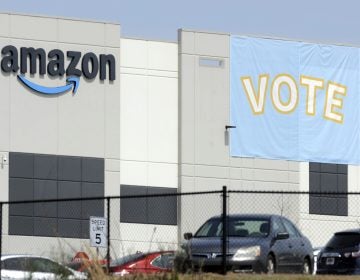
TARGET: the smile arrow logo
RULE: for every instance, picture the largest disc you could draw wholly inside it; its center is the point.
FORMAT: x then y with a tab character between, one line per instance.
72	83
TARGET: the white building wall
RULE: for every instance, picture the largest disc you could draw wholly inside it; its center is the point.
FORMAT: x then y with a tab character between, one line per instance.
148	129
320	228
205	161
82	124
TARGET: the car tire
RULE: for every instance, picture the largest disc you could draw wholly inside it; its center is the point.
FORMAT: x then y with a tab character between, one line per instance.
306	267
270	265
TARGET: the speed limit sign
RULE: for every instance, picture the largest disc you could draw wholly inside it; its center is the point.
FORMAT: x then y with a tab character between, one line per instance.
98	232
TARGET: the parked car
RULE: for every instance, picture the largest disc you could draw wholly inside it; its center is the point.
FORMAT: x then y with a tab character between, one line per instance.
36	268
341	254
316	252
81	262
143	263
256	243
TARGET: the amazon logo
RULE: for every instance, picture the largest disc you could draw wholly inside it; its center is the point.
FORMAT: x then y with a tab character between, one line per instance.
54	64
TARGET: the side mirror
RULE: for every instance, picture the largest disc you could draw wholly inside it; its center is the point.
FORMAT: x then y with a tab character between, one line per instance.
188	235
282	235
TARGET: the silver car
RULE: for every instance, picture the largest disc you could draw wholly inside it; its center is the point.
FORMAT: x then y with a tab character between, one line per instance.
255	243
36	268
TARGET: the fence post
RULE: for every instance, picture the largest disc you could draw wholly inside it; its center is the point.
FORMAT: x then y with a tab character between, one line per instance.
224	222
1	233
108	235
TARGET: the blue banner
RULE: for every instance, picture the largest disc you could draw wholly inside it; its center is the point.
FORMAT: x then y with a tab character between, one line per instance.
294	101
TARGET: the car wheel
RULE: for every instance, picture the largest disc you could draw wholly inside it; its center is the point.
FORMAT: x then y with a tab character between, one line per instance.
306	269
270	265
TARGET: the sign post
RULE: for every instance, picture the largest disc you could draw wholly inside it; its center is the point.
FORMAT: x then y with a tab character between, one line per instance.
98	232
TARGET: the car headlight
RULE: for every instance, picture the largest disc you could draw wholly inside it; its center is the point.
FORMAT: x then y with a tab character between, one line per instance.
247	253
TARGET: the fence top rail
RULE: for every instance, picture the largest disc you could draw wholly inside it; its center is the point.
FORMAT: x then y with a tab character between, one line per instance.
107	197
293	192
220	192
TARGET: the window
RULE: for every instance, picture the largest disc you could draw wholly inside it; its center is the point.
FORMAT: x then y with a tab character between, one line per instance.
290	229
278	227
149	209
330	182
165	261
37	177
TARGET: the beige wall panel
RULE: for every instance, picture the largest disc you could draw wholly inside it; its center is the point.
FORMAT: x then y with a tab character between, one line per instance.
112	183
4	176
353	178
163	175
187	109
162	120
152	236
212	114
187	42
134	71
236	161
133	173
134	53
236	173
163	56
82	116
33	116
188	170
187	184
112	34
112	165
112	111
212	44
211	171
37	28
269	175
5	79
274	164
134	117
81	32
35	245
294	177
5	25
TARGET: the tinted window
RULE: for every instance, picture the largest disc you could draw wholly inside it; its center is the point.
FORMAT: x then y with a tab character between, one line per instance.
343	240
164	261
290	228
237	226
211	228
278	226
47	266
13	264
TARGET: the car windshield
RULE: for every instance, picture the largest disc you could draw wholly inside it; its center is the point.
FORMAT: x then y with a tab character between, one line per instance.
237	226
344	240
127	259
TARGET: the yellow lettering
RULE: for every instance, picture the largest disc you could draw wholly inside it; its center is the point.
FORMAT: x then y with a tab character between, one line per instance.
312	85
290	105
256	100
333	101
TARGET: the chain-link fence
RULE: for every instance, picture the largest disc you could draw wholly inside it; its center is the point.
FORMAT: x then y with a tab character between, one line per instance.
246	230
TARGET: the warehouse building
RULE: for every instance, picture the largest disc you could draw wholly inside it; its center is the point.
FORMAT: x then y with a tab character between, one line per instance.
143	117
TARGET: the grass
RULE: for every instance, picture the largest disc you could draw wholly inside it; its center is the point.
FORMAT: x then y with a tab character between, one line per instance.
231	276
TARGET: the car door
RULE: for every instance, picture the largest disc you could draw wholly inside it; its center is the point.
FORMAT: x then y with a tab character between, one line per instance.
13	268
280	246
163	262
296	245
40	268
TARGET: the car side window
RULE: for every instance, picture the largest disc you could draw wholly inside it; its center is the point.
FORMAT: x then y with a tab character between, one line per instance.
47	266
290	228
277	226
13	264
164	261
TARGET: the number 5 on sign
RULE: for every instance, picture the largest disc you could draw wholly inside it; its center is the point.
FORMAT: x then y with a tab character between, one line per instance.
98	232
